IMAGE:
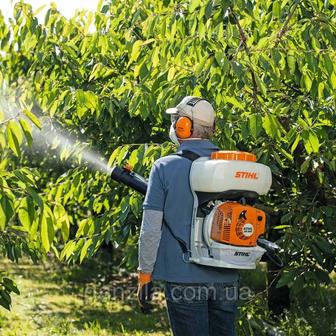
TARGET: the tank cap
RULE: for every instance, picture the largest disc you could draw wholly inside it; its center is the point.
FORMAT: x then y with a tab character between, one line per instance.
233	155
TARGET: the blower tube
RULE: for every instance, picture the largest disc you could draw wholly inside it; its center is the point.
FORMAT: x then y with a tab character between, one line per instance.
129	178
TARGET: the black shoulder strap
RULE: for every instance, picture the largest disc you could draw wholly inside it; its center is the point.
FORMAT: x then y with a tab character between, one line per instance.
188	155
192	157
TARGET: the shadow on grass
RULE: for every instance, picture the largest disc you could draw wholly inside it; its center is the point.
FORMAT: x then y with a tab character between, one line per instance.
73	278
114	316
131	321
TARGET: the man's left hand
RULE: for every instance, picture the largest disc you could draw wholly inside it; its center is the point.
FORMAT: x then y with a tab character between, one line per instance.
145	292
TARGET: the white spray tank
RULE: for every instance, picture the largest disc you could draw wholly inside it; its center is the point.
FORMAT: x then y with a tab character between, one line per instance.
225	227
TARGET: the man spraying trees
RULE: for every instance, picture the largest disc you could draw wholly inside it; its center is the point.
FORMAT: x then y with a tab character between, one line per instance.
199	227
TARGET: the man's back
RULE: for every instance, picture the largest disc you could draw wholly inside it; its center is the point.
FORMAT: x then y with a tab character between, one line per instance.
169	192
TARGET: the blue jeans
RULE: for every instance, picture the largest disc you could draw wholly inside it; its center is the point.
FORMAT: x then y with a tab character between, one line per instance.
202	309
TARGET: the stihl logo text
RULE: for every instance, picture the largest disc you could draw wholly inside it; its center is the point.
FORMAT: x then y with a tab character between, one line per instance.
242	254
246	175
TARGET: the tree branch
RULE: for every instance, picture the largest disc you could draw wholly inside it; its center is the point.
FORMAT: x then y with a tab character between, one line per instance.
292	87
285	26
9	119
243	40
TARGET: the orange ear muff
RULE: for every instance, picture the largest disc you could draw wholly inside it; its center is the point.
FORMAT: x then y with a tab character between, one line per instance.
183	127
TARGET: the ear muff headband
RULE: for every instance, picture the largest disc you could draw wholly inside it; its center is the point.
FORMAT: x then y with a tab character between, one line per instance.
183	127
193	101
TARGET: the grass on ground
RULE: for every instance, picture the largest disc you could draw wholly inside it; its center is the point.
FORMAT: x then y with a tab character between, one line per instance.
96	299
55	302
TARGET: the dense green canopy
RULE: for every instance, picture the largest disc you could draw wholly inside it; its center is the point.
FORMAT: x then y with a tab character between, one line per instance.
105	78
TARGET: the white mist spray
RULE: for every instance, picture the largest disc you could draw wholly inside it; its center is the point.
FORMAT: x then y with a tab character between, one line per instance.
52	137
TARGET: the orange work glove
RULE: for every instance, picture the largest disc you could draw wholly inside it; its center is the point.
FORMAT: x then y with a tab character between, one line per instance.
145	292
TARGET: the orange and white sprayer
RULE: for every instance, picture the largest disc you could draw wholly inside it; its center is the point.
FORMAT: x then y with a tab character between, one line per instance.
226	226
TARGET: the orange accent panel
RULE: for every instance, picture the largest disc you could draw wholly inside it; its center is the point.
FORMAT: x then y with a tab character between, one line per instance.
237	224
233	155
183	127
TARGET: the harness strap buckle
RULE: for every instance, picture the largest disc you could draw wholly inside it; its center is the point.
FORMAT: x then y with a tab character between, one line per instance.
186	257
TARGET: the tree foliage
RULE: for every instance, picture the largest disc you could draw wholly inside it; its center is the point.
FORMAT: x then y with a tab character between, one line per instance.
269	67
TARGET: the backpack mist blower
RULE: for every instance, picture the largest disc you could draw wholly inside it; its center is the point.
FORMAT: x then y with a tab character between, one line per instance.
226	228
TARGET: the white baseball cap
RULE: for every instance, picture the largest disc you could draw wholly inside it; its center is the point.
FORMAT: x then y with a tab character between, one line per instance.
197	109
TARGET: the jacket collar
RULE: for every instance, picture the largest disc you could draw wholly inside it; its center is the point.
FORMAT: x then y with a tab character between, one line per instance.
197	144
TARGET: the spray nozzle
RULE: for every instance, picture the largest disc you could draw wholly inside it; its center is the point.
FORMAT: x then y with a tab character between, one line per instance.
128	168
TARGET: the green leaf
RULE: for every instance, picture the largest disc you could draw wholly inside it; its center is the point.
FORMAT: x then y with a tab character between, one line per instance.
314	141
320	90
333	80
123	153
68	249
171	74
27	131
6	211
136	48
276	9
316	253
281	227
311	141
136	205
193	5
84	249
261	85
305	165
3	219
65	229
295	143
324	245
91	100
3	142
36	197
201	29
59	212
10	286
39	9
47	229
83	228
32	117
24	177
286	154
62	220
328	64
232	100
15	137
26	213
291	64
113	156
307	81
255	125
285	280
133	159
3	302
271	126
